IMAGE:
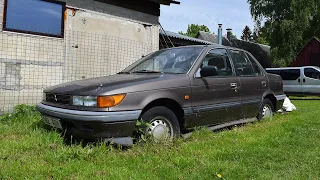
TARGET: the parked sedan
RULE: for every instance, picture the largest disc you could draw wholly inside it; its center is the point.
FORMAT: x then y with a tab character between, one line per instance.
174	90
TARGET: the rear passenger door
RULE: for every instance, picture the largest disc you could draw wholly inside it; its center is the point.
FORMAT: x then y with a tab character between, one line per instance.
292	81
253	82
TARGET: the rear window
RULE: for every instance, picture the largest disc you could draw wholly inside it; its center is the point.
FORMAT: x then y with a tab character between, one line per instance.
290	74
286	74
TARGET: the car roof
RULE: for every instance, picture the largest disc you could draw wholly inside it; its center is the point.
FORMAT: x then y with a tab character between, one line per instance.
283	68
210	46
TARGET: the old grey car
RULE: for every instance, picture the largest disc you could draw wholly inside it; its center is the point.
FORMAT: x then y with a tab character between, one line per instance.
174	90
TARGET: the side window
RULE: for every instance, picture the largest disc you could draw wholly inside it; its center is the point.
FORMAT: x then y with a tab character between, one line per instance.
290	74
277	72
255	66
220	59
242	64
311	73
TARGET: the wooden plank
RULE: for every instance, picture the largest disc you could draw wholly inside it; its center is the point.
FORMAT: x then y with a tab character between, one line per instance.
145	6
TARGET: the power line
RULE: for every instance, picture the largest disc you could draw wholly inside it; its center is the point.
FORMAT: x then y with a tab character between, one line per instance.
166	35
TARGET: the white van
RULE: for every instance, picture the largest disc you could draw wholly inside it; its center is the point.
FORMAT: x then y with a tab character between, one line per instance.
299	80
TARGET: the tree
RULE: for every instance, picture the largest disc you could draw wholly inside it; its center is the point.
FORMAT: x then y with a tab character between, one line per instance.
193	30
289	24
246	34
256	31
259	34
232	36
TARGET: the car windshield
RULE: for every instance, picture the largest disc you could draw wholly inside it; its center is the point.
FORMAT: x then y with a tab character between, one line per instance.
175	60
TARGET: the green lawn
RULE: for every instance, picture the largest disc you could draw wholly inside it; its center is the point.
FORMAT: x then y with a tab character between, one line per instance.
285	147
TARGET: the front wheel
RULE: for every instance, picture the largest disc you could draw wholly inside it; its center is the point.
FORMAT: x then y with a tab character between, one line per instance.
266	109
163	123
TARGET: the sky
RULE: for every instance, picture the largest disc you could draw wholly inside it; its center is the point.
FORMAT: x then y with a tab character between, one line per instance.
233	14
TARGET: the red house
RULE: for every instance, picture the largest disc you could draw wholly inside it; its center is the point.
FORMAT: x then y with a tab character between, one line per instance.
309	55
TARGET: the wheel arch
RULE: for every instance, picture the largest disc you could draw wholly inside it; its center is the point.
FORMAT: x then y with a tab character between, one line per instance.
169	103
272	98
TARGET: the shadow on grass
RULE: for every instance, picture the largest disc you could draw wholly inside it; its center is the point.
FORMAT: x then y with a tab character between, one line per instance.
305	99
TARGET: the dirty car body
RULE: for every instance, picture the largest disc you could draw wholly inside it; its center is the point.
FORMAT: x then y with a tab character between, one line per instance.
174	89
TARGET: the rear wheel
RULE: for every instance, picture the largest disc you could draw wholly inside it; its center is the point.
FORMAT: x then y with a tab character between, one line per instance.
163	123
266	109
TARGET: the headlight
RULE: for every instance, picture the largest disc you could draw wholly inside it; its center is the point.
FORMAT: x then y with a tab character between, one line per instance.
44	96
77	100
100	101
84	101
89	101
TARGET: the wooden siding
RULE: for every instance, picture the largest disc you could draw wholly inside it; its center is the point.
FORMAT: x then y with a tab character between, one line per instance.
310	51
145	6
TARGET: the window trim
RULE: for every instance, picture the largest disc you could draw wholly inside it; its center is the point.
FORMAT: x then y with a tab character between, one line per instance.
4	24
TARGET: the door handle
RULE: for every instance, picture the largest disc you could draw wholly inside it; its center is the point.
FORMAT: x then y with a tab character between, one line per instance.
299	80
304	80
233	85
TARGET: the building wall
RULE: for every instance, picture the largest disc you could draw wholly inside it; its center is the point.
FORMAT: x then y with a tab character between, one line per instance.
99	40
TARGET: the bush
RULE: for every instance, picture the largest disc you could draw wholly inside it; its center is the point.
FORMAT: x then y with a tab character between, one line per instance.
22	114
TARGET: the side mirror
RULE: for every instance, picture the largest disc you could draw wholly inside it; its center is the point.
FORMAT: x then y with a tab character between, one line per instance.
208	71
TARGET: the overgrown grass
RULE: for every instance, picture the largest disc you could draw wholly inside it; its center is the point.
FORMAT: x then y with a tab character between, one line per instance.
285	147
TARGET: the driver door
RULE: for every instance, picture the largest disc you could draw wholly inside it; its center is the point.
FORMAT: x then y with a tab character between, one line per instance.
215	99
311	81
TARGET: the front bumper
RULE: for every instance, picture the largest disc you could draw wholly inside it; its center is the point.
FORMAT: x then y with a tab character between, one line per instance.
93	125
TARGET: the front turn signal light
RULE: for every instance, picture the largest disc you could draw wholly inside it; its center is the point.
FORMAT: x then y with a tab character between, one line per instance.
110	101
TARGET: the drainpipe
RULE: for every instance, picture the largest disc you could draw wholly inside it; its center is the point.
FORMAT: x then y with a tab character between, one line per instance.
220	34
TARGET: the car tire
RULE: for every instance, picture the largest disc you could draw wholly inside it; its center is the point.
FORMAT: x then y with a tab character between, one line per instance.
162	123
266	109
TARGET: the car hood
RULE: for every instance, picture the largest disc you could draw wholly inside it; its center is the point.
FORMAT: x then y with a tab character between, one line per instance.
120	83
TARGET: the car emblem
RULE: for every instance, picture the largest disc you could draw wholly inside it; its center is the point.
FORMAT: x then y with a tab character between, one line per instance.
55	98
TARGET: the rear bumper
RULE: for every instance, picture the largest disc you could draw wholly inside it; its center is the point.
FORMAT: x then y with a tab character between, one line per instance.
280	101
93	125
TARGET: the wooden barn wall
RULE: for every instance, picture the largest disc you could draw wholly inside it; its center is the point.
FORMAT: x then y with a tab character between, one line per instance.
303	59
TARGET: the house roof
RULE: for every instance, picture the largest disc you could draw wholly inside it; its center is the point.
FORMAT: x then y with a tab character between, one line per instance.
212	38
304	57
259	51
179	36
166	2
312	39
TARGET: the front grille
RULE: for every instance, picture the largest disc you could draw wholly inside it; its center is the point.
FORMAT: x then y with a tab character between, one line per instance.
58	98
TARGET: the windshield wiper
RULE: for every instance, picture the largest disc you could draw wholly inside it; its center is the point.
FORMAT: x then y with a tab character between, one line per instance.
146	71
124	73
